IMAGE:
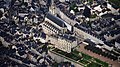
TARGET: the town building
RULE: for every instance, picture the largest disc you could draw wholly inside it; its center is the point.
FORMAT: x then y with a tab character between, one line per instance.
117	43
53	25
63	42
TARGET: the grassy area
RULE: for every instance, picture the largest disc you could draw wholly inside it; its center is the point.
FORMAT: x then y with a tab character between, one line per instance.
76	52
93	64
83	59
115	2
93	16
90	1
101	62
70	55
87	57
74	7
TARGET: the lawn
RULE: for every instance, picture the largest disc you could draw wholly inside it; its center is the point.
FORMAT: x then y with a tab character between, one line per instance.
93	16
83	59
90	1
115	2
101	62
93	65
85	56
70	55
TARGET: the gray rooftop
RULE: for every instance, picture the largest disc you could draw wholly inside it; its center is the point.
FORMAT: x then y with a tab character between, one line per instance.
56	20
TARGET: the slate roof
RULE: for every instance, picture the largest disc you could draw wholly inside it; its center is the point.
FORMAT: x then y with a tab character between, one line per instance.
68	37
56	20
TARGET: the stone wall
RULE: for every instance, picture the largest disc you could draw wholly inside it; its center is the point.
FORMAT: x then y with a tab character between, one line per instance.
59	59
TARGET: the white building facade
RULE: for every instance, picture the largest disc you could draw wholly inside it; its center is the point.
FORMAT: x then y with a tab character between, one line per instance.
62	43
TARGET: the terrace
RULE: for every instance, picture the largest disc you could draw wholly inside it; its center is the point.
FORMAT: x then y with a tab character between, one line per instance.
80	58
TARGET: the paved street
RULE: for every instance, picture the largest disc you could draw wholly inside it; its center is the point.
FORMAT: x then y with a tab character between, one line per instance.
114	63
